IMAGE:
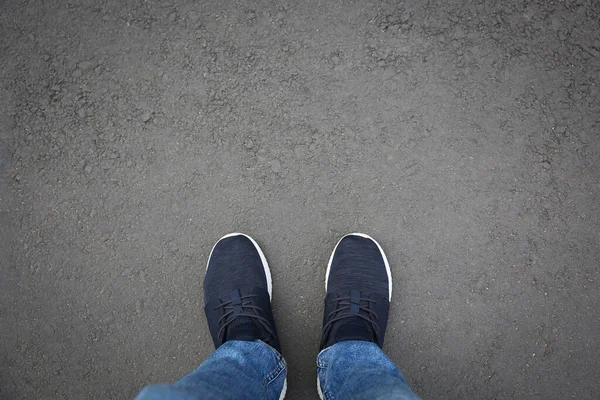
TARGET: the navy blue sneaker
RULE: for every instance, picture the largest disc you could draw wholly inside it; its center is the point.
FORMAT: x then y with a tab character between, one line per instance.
359	289
237	292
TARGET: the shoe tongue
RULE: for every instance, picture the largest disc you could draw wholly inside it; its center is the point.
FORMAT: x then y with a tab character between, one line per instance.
352	329
242	328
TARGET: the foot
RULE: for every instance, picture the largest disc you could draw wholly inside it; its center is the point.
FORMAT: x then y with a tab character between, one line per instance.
237	292
359	289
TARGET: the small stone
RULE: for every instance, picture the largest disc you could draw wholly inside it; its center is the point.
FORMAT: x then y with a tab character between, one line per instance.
173	16
480	284
46	57
561	129
276	166
335	60
249	144
562	35
17	178
158	255
108	318
82	113
173	248
85	65
545	175
88	168
129	164
48	330
546	165
77	73
146	116
24	347
251	15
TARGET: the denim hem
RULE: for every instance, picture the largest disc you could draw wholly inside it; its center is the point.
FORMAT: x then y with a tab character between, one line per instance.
275	373
321	364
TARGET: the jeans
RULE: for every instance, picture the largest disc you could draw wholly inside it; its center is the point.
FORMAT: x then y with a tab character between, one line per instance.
254	370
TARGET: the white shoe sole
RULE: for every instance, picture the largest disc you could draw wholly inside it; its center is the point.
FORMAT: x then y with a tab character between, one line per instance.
385	260
282	395
319	387
263	259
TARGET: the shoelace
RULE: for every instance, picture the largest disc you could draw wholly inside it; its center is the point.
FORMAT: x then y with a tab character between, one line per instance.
230	314
350	307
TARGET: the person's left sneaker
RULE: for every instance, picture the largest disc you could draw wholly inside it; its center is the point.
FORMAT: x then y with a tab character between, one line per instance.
237	292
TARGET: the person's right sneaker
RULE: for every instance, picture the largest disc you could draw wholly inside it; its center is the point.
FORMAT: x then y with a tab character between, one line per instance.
359	289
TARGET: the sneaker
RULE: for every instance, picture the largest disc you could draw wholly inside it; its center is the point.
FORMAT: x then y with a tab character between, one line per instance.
358	284
237	292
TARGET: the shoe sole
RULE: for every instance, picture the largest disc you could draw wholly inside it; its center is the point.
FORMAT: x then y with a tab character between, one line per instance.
319	388
385	261
263	259
284	390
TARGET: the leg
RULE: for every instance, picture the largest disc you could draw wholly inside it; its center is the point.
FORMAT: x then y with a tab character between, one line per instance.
237	370
237	302
351	364
359	370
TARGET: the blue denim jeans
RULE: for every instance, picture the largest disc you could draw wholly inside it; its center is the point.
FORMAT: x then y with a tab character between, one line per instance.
254	370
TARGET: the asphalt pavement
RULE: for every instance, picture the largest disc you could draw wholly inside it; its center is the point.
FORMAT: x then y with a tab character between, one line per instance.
463	136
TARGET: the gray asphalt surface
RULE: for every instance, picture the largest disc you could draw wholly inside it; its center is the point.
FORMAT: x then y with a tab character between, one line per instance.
463	136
